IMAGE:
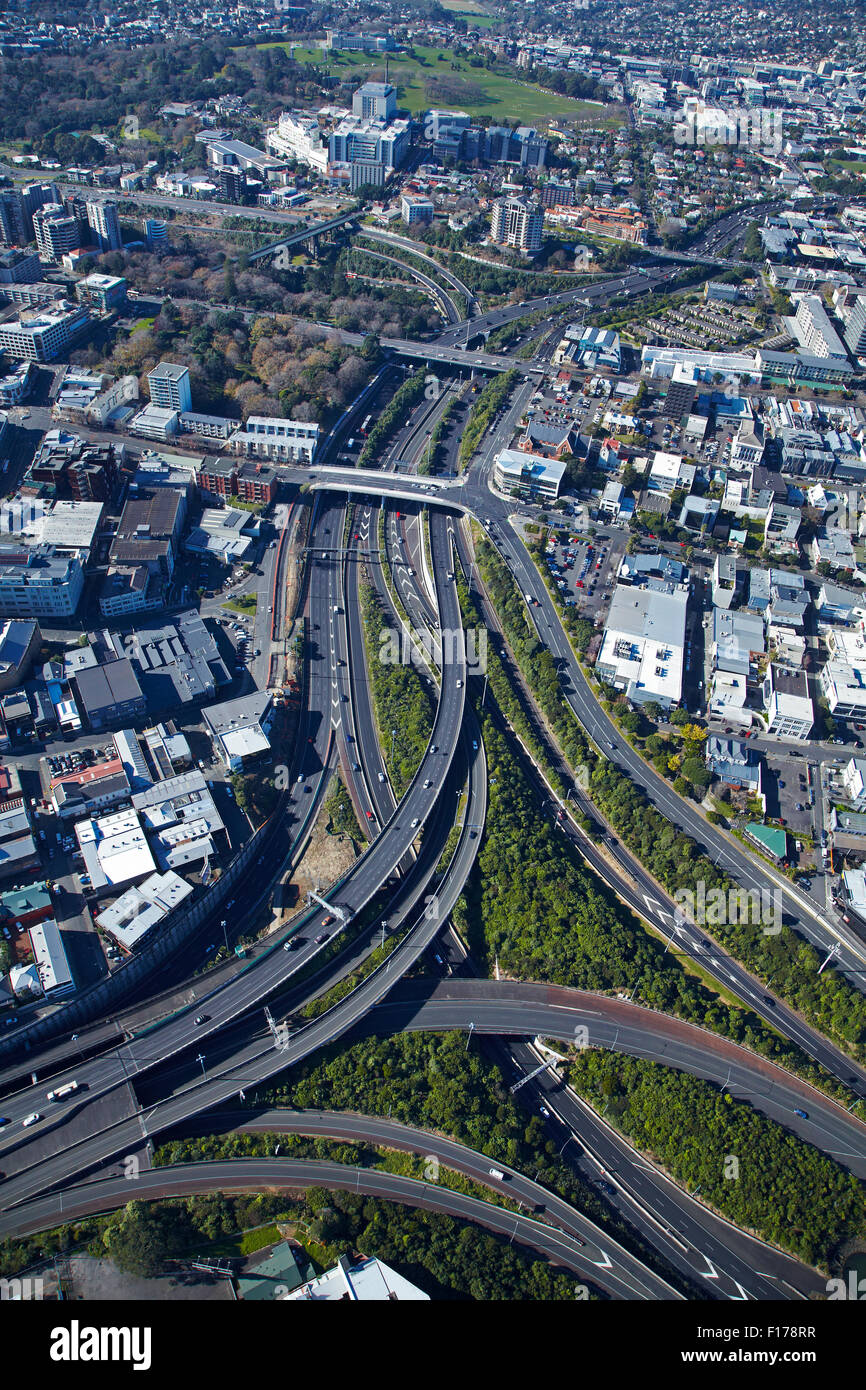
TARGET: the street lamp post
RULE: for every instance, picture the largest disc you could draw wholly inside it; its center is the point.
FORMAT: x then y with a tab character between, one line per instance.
200	1058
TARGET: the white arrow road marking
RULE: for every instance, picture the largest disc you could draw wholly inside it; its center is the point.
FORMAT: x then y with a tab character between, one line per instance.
742	1297
651	903
604	1262
714	1273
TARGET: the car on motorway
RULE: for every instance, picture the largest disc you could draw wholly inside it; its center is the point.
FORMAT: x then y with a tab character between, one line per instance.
200	1019
4	1121
769	1000
300	779
323	936
381	776
293	944
605	1186
414	823
802	1113
459	685
30	1119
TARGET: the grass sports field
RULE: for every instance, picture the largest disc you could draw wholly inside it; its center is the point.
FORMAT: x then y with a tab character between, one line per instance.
435	77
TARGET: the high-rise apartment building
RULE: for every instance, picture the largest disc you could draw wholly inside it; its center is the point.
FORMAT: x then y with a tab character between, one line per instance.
56	231
169	387
855	331
105	225
12	230
517	222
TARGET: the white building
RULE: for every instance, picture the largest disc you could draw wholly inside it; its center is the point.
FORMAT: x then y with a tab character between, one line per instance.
114	850
169	387
38	583
843	677
669	472
104	223
282	441
300	137
413	209
42	334
367	1281
644	643
517	222
789	706
136	912
49	955
854	778
516	471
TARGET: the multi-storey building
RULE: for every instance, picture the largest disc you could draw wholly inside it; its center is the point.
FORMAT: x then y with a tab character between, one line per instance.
517	222
358	141
855	331
789	705
104	225
56	231
375	101
41	334
12	229
523	146
282	441
169	387
19	267
36	582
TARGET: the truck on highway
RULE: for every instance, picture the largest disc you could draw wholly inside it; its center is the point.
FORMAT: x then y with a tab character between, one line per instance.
63	1091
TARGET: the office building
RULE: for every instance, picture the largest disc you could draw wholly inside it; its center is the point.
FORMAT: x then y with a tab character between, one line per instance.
414	209
134	915
517	222
44	332
367	1280
337	42
104	291
19	268
104	225
240	729
169	387
110	694
149	530
36	582
643	648
515	471
843	677
232	184
357	141
375	101
523	146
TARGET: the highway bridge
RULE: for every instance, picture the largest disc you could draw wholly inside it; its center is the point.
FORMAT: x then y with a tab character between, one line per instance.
304	236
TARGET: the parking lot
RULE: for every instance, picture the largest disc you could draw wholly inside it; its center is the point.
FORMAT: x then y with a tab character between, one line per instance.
584	569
